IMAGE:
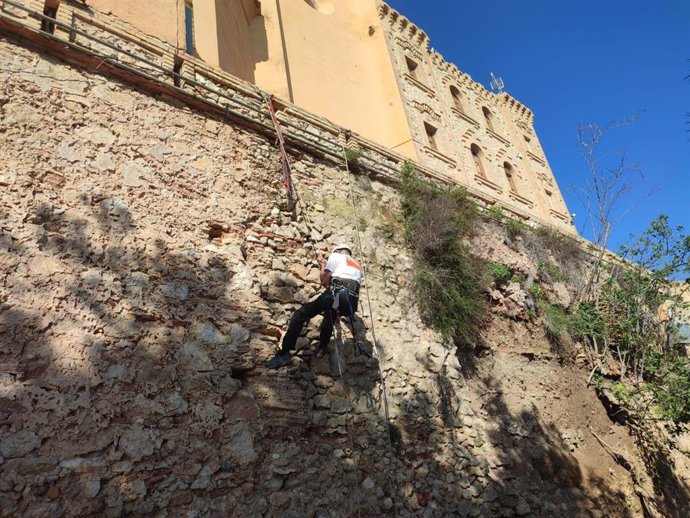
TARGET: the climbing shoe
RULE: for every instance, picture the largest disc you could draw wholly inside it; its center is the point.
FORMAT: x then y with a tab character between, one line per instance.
279	360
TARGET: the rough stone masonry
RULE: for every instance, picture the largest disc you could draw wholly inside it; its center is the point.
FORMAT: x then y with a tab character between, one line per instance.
148	267
147	270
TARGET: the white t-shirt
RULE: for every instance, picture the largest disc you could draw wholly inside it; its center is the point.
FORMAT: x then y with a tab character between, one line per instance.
343	266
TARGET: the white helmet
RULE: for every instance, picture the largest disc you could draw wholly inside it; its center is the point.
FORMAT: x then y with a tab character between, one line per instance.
343	246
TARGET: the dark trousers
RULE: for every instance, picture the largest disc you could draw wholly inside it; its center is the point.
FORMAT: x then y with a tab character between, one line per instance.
322	305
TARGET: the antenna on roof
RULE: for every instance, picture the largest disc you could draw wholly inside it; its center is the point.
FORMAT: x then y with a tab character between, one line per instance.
497	84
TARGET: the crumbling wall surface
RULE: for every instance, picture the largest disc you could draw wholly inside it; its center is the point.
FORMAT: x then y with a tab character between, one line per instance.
148	267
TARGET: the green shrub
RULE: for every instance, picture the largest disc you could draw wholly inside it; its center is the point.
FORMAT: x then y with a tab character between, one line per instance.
353	157
496	212
623	393
670	387
500	273
515	228
626	320
449	281
587	322
549	271
564	248
556	322
519	277
537	292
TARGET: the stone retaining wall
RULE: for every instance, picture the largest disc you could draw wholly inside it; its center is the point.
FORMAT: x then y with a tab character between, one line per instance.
148	267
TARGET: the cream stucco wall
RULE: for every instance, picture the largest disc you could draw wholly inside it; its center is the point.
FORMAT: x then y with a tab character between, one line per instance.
157	18
336	65
222	35
268	52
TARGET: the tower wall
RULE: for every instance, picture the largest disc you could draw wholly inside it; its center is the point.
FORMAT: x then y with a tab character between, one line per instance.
439	97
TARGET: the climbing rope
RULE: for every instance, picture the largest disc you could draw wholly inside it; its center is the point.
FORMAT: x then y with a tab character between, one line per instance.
292	196
350	421
376	351
280	141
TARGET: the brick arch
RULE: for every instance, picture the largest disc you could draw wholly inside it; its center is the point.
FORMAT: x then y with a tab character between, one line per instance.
510	174
488	118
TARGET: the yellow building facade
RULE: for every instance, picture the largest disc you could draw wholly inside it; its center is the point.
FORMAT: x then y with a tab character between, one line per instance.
367	68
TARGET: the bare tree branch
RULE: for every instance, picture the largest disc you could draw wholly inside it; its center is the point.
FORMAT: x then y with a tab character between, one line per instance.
608	182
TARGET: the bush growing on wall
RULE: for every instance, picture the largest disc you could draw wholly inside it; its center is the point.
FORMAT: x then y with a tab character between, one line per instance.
449	281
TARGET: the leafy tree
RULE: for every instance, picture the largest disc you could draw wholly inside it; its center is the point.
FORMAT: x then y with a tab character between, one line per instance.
637	304
643	289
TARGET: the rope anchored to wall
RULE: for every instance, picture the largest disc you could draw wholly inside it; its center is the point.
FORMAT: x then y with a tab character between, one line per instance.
280	142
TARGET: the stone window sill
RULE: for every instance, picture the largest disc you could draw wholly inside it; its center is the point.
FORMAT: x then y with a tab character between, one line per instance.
546	180
560	215
536	158
521	199
488	183
498	137
419	85
465	117
437	154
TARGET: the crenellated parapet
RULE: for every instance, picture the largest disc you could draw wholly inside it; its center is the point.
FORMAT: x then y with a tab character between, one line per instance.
516	108
403	26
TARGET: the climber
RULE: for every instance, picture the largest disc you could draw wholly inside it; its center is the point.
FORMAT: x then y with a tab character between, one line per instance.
341	275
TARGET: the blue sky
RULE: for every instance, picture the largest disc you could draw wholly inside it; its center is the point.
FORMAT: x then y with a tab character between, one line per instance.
582	62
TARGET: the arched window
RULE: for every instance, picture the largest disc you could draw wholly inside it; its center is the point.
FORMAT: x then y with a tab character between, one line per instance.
488	117
528	143
457	99
508	169
431	136
477	159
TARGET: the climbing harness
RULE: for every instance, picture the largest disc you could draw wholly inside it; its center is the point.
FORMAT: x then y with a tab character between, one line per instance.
344	291
338	287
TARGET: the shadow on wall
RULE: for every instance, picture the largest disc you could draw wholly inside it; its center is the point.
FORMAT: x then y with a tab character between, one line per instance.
235	39
675	497
533	453
130	352
517	466
259	40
